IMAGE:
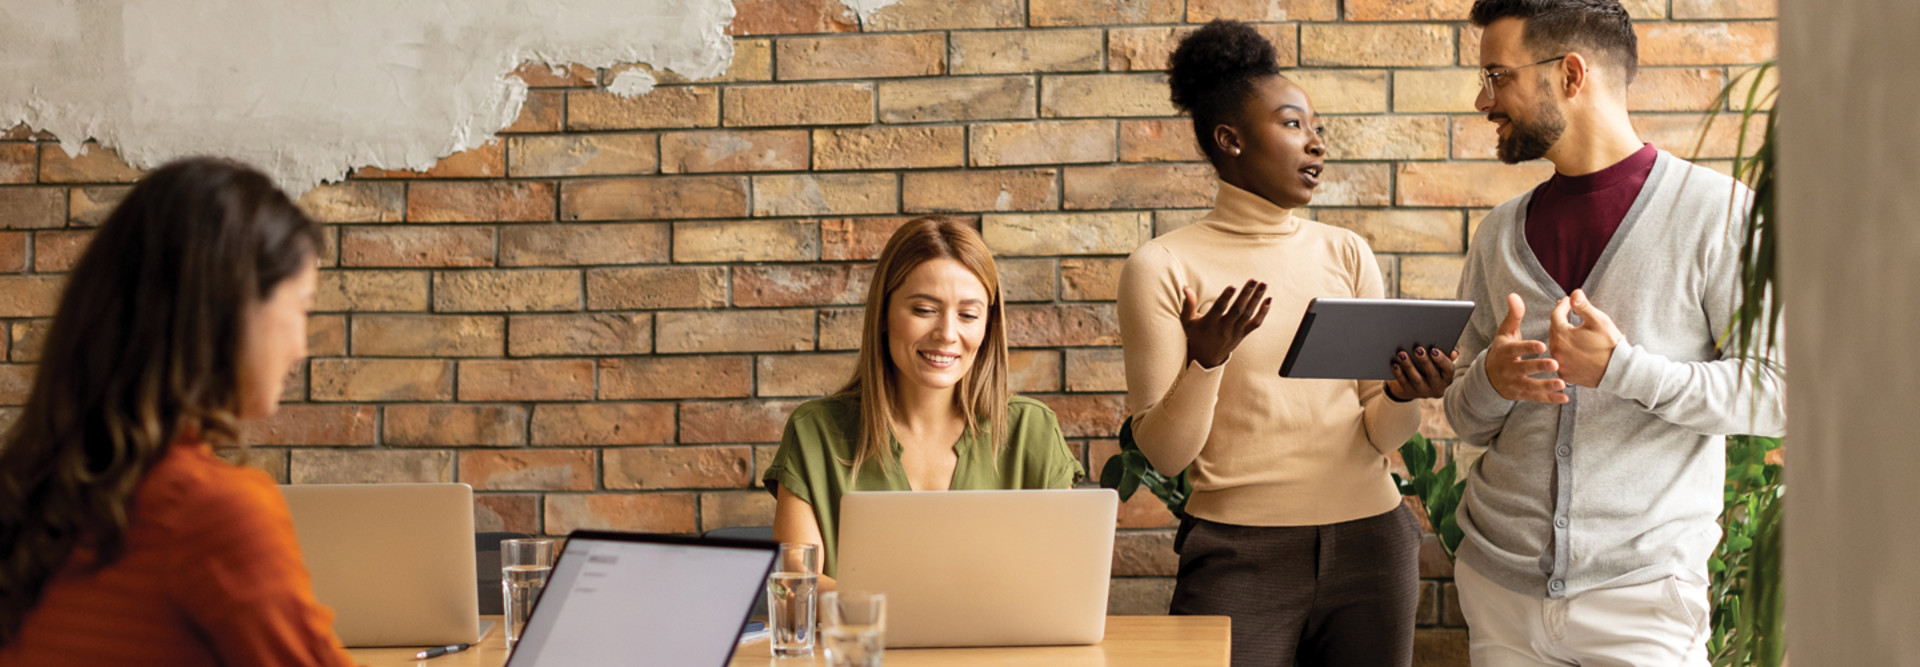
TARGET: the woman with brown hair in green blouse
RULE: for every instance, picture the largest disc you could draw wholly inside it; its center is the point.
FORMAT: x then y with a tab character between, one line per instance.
928	408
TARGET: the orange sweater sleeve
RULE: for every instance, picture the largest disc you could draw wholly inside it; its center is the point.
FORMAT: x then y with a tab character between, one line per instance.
242	581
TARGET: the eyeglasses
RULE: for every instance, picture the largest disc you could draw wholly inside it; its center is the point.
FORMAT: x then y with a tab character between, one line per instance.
1490	79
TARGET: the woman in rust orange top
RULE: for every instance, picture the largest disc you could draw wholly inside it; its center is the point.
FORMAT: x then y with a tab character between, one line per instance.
123	539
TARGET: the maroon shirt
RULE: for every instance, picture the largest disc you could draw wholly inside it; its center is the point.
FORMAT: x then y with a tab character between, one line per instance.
1571	218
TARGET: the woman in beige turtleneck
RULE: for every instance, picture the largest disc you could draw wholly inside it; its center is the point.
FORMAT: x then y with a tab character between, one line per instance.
1296	530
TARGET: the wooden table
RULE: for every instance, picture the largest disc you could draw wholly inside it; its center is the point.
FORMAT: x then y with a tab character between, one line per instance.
1159	641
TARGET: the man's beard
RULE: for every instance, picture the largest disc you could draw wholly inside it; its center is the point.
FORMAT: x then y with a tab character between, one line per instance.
1530	141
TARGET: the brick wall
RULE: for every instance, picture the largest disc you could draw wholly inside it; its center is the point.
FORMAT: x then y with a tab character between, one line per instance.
602	318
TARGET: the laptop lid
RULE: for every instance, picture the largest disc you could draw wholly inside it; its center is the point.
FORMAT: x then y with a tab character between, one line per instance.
983	568
395	562
635	598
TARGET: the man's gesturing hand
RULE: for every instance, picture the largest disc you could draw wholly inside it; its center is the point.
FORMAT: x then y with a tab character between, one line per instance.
1583	351
1511	373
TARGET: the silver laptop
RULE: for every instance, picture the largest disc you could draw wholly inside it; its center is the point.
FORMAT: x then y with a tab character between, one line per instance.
983	568
394	561
617	599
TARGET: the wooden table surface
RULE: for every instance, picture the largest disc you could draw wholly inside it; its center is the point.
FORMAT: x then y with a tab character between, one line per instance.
1159	641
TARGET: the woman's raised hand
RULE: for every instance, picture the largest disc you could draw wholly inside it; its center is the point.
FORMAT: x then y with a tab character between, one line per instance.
1212	337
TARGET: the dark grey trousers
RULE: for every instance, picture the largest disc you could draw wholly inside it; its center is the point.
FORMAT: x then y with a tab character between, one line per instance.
1337	596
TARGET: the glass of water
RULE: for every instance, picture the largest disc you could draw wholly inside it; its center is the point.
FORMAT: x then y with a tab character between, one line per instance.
790	600
524	566
853	628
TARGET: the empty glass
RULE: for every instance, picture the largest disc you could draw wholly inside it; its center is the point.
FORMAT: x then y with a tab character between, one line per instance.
791	600
853	628
524	566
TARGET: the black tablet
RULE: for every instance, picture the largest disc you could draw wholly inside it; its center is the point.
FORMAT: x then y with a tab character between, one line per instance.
1356	339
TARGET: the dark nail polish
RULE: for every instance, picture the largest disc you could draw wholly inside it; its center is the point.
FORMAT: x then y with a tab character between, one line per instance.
1403	355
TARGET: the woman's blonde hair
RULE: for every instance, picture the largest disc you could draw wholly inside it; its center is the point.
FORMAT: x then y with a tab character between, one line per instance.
982	395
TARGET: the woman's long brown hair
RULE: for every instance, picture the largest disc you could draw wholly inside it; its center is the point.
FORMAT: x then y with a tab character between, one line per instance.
982	394
143	350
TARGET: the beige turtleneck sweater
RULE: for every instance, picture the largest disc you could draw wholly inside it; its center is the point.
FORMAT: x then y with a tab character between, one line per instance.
1264	450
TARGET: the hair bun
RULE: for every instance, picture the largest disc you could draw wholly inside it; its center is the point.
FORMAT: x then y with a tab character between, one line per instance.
1220	55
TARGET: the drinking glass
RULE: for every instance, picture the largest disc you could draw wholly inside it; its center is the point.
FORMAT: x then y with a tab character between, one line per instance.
524	566
853	628
791	600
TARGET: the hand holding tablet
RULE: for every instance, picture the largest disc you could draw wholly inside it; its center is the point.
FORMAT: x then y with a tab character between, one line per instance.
1348	339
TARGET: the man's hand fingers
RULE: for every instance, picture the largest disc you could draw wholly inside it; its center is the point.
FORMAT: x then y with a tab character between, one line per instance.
1558	320
1516	309
1532	367
1589	315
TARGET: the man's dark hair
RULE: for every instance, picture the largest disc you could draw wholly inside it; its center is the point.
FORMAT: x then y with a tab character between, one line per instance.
1212	72
1599	28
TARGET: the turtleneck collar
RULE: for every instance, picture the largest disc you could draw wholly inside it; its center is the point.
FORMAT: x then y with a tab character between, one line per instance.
1238	211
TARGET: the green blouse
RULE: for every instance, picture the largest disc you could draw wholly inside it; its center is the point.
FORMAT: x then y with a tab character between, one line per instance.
816	451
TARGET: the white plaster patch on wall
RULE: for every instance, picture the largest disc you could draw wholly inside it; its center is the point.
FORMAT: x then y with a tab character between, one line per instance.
866	8
307	90
632	83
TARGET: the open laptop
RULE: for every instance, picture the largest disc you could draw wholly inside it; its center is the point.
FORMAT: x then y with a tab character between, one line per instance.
634	598
982	568
394	561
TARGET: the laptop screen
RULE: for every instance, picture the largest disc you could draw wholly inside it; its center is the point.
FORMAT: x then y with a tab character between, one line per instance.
617	599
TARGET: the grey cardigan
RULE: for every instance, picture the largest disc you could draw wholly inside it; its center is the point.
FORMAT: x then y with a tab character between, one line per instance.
1621	485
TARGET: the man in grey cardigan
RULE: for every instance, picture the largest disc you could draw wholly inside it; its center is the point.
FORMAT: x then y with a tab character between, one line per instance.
1591	370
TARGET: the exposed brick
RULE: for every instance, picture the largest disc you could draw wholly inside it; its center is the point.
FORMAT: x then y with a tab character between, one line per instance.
1090	279
1645	10
1027	280
676	377
734	150
1467	183
1139	596
382	380
727	422
1470	43
646	512
1386	137
555	75
16	383
429	336
1062	325
1402	230
1016	51
1144	510
824	194
489	160
29	296
856	238
517	290
790	17
784	285
945	15
1408	10
1147	49
1700	43
799	104
1433	421
957	99
273	462
480	201
807	375
580	333
658	198
981	190
1435	90
603	424
18	163
526	380
57	251
528	470
679	468
840	328
860	56
544	111
657	287
355	201
752	61
304	425
33	208
293	388
1682	134
455	426
94	164
13	252
1433	558
1355	184
1044	13
1159	140
728	509
1676	89
1096	370
1042	142
733	331
1344	91
1033	371
506	512
1450	613
584	155
1430	276
884	147
1088	415
1427	610
346	466
746	241
576	244
1437	646
1145	554
1376	45
371	291
88	206
663	107
1202	11
1066	233
1167	221
1726	9
1081	95
1139	186
414	247
1474	138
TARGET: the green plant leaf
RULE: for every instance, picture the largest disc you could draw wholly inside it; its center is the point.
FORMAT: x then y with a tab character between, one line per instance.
1111	472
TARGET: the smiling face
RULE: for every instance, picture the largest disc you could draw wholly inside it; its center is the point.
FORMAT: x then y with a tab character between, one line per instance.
274	340
1278	137
936	320
1523	108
